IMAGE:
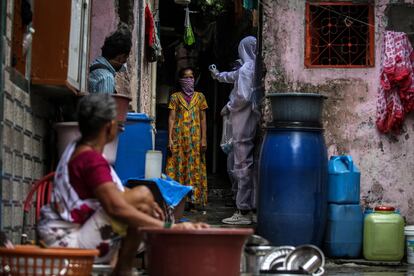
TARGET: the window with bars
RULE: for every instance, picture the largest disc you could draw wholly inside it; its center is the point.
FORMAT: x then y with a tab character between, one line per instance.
339	34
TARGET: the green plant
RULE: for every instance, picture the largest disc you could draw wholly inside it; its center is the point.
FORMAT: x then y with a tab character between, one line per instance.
212	7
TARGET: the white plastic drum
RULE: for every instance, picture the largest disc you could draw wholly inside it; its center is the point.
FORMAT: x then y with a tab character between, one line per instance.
67	132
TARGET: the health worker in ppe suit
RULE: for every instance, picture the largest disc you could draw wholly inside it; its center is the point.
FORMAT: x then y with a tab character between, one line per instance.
244	116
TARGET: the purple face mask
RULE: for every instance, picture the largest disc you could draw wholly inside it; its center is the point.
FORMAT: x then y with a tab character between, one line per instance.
187	85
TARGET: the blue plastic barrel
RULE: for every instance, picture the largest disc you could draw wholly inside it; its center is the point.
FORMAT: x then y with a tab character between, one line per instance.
161	143
292	196
344	231
343	180
133	145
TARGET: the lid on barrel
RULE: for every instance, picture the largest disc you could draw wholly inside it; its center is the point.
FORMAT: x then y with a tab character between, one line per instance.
385	208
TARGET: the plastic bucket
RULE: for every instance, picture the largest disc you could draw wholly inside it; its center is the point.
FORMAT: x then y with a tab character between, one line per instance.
409	239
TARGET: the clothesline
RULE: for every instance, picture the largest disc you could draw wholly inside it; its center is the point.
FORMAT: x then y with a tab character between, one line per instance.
338	13
354	19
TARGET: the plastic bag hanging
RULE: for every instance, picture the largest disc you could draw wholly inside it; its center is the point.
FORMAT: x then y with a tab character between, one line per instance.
189	38
226	142
250	4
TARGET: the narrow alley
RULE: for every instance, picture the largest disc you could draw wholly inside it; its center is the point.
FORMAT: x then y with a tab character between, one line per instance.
206	137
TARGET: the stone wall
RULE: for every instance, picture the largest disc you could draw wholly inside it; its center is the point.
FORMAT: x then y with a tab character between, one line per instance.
385	161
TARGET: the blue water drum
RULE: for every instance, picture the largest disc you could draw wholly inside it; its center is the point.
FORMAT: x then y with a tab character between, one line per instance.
292	196
344	231
343	180
133	144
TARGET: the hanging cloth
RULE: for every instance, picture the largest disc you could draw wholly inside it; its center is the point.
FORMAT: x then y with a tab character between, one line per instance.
189	38
154	50
396	91
149	26
238	11
250	4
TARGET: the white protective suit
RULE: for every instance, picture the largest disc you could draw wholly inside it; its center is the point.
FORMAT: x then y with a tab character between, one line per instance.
244	116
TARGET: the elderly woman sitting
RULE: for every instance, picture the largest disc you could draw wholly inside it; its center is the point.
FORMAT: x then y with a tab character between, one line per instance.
90	208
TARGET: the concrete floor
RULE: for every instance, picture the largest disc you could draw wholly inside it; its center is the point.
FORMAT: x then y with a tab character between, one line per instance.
216	211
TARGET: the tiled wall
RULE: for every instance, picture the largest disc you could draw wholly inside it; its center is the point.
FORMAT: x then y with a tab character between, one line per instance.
23	144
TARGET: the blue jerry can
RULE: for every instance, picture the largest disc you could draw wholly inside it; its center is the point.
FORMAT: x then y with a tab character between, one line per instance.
343	180
344	231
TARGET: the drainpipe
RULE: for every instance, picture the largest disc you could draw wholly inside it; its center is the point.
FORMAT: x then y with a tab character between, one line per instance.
153	89
154	66
2	55
154	78
140	24
259	88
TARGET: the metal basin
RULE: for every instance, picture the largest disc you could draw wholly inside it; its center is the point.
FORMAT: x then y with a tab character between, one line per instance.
275	258
308	258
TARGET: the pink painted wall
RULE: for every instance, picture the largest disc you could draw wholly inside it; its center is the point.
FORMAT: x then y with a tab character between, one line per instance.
103	21
386	162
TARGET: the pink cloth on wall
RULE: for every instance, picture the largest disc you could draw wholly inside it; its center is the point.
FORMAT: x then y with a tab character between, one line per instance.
396	91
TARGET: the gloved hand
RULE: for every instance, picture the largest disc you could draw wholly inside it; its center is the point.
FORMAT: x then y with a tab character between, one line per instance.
224	111
213	71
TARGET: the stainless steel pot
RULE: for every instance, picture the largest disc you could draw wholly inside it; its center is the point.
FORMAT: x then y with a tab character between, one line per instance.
253	257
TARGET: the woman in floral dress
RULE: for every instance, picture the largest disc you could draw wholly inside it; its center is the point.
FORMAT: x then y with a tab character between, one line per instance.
187	138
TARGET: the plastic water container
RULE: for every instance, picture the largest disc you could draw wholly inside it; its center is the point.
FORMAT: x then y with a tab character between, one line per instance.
409	242
133	145
343	236
383	235
343	180
153	163
292	190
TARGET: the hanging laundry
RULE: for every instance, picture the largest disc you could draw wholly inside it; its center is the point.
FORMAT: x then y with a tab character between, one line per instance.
238	11
396	91
154	50
149	26
189	38
250	4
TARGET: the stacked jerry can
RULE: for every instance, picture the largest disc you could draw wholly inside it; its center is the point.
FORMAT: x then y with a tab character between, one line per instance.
343	236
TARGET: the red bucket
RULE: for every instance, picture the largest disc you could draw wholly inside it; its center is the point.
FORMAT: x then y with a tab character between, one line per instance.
204	252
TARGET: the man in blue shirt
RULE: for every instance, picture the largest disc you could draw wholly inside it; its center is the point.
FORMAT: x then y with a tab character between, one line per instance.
115	52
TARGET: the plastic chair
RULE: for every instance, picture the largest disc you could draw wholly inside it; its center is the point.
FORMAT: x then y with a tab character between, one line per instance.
43	190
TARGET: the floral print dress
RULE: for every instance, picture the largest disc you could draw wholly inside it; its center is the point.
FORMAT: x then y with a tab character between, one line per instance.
187	164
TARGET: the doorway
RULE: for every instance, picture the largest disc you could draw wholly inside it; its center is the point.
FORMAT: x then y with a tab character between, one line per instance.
217	30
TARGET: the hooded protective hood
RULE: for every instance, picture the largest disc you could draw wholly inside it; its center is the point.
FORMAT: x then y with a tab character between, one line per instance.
247	49
243	88
243	77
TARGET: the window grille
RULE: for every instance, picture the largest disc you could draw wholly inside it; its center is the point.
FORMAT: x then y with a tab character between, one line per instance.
339	34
